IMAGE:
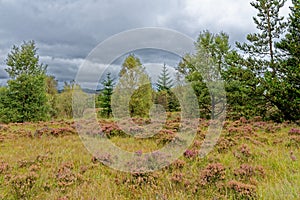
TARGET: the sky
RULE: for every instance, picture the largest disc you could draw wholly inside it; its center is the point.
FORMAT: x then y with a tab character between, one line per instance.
66	31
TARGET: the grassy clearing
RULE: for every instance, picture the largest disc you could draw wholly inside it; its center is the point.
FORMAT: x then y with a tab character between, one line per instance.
252	160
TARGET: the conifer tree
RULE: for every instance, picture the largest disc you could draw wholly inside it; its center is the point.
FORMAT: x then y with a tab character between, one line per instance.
270	26
164	95
26	96
104	97
285	90
263	58
164	81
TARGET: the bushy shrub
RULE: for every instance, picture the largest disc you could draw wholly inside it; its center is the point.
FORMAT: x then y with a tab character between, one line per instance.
212	173
23	184
241	190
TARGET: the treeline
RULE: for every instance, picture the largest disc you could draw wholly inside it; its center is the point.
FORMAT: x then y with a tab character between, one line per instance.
261	77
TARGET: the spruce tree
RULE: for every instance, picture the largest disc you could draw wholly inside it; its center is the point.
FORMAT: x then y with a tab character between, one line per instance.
164	81
104	97
26	98
164	95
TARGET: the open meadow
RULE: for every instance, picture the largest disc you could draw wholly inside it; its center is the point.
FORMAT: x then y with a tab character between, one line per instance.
252	160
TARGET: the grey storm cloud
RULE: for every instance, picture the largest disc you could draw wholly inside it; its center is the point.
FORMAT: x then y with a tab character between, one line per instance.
3	74
67	30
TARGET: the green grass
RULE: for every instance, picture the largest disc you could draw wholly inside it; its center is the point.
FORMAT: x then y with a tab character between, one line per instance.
93	180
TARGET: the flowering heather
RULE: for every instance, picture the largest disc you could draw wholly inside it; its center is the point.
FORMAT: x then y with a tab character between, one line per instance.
138	180
105	158
260	124
172	125
272	128
63	131
224	144
3	127
257	119
65	176
22	184
191	153
233	129
212	173
243	120
139	152
35	167
294	131
247	130
177	178
178	164
3	167
243	152
197	143
24	163
164	136
242	190
245	171
111	129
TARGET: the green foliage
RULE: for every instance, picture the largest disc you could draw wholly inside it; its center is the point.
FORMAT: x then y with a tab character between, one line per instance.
243	92
4	101
135	86
164	81
28	100
290	44
25	98
168	100
271	26
64	102
51	84
286	90
104	97
66	106
200	70
24	60
276	80
165	96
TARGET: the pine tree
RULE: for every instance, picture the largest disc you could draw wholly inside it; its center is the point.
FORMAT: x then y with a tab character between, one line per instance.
271	26
105	97
290	45
286	87
264	58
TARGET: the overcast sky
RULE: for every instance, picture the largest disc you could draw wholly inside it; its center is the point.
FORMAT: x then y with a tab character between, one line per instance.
65	31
